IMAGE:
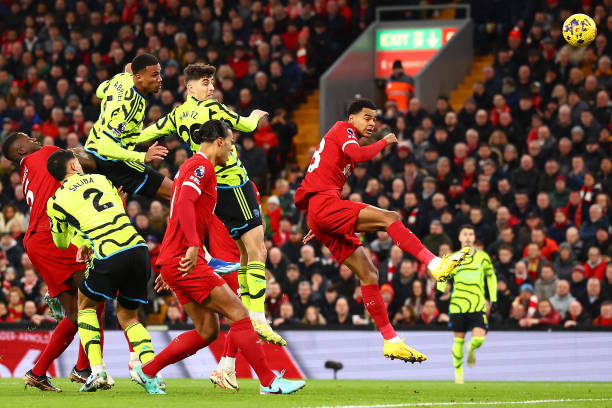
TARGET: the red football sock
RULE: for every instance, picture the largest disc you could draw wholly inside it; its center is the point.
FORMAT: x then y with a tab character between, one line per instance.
230	349
376	307
244	337
408	242
100	313
183	346
60	339
128	342
83	361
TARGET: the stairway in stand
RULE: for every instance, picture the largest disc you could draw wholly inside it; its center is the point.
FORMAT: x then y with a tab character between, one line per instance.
464	90
306	118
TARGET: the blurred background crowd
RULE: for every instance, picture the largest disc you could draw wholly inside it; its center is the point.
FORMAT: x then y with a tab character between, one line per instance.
526	160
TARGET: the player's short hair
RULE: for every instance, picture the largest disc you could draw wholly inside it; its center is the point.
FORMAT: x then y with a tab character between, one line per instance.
56	164
466	226
358	104
199	70
210	131
142	61
8	148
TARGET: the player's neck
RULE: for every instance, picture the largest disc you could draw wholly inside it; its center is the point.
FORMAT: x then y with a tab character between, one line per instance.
68	175
141	90
210	152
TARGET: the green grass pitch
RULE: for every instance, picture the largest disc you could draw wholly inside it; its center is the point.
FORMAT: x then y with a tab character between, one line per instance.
184	393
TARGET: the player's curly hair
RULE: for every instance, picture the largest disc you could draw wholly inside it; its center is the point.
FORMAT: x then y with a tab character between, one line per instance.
199	70
358	104
211	131
56	164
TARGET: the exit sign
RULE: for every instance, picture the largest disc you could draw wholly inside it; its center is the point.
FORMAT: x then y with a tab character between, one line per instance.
413	46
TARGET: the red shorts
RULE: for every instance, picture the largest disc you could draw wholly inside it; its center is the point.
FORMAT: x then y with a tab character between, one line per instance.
194	287
54	265
232	281
333	221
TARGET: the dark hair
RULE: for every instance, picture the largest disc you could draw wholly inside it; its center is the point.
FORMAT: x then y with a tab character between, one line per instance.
358	104
142	61
56	164
199	70
8	147
210	131
506	247
547	264
466	226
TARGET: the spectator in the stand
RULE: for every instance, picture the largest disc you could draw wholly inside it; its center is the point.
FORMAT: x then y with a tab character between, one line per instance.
430	314
577	316
605	315
342	316
558	229
560	195
589	227
564	263
274	298
291	248
527	298
436	237
591	299
562	299
303	299
595	266
400	87
548	247
30	284
312	317
546	284
546	315
273	214
174	315
5	316
287	316
254	160
346	284
15	303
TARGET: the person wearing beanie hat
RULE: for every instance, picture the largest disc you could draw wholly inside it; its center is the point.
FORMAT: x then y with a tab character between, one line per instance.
400	87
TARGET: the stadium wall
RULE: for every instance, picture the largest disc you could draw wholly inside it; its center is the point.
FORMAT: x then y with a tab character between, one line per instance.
506	356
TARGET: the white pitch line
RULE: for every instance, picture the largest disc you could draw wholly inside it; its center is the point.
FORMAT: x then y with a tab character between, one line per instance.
439	404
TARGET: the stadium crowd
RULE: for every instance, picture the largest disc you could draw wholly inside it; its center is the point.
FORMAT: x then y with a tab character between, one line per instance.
527	159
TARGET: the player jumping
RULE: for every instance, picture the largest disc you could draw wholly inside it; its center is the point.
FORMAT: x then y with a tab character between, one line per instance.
198	288
88	212
238	207
468	308
118	130
58	267
334	221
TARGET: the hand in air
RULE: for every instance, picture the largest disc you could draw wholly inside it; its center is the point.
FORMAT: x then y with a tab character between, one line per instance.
391	139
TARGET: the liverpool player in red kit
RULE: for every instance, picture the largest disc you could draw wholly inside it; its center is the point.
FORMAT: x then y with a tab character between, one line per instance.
334	221
58	268
184	269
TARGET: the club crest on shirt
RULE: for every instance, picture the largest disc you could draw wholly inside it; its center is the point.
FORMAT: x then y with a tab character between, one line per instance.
351	133
119	129
199	172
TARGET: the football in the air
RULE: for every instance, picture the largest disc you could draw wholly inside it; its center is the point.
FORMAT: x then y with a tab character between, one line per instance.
579	30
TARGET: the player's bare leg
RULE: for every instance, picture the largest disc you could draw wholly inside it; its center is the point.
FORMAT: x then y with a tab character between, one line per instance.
164	191
478	336
223	301
373	219
364	269
252	243
458	342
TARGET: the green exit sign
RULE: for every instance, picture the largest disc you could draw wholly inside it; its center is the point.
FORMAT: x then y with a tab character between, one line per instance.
409	39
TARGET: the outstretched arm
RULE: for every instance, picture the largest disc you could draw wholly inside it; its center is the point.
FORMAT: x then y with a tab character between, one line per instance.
364	153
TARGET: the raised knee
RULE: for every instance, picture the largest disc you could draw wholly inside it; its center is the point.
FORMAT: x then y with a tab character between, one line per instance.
392	217
209	334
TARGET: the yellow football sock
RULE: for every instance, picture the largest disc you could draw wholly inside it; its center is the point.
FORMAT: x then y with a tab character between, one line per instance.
89	332
140	339
256	279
